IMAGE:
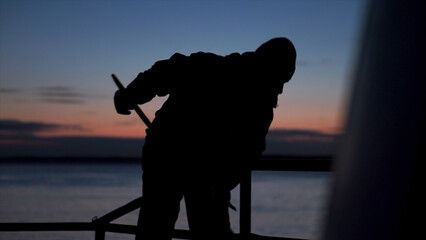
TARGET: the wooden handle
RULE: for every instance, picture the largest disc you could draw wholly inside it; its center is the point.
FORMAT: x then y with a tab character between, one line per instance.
136	107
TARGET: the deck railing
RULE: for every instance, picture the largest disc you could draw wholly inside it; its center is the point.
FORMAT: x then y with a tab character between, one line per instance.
103	224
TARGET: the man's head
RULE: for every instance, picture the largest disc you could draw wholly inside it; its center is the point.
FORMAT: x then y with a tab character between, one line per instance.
277	60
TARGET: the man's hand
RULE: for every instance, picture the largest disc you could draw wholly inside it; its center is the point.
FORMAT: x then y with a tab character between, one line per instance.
122	102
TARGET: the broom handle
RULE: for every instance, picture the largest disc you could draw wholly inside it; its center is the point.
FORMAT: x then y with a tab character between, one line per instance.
136	107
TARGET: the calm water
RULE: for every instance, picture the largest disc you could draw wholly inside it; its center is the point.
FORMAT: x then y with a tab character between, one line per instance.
289	204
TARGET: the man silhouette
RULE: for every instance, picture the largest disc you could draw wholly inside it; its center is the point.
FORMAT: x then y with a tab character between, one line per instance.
209	130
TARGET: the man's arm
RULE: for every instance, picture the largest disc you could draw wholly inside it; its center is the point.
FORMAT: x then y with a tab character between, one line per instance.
158	80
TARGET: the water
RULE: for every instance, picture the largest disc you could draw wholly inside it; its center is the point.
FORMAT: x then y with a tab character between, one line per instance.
287	204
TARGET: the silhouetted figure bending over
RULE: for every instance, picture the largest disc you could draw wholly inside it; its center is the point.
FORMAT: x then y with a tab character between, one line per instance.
210	129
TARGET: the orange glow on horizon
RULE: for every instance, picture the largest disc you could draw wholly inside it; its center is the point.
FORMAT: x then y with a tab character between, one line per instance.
99	119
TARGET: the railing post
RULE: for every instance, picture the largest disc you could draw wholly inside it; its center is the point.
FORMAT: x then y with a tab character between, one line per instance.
100	234
245	205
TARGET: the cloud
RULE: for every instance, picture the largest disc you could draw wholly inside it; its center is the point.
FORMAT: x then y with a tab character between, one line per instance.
300	142
9	90
127	123
61	95
78	146
15	128
296	135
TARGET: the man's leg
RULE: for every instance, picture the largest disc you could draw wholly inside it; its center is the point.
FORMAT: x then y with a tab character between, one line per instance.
207	210
160	207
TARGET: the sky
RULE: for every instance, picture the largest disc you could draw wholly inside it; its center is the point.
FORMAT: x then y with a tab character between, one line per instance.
57	57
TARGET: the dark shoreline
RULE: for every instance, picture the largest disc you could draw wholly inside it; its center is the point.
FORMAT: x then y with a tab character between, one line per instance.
129	160
69	160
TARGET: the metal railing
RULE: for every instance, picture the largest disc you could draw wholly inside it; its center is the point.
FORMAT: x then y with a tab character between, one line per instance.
104	224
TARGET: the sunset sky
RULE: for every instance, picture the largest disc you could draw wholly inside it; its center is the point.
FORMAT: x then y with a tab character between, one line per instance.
56	58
